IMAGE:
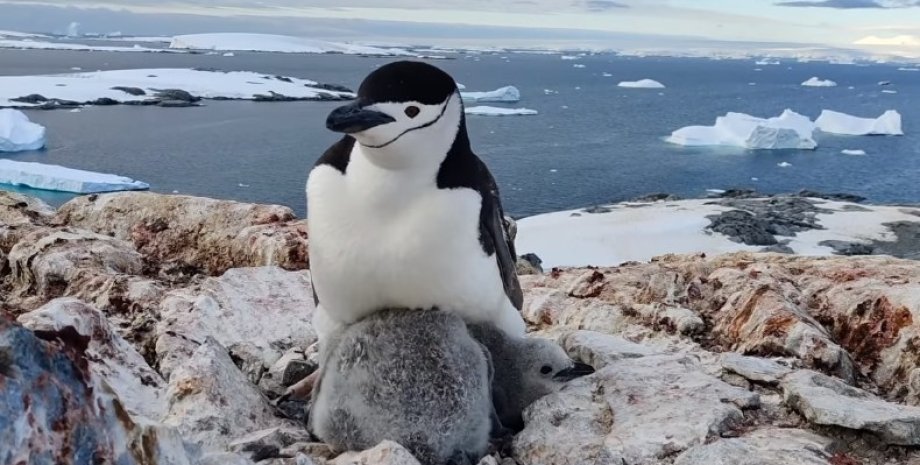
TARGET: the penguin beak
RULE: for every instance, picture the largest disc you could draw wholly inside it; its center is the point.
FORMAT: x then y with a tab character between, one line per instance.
354	118
576	371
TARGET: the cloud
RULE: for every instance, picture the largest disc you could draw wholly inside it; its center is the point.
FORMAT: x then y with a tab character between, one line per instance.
853	4
904	40
603	5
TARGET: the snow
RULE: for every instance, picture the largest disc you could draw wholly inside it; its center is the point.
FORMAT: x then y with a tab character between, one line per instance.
59	178
641	231
816	82
853	152
87	87
508	94
140	39
497	111
790	130
29	44
841	123
18	134
642	84
275	43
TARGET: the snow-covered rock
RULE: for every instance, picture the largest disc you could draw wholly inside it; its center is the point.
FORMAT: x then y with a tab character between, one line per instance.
59	178
507	94
790	130
817	82
498	111
642	84
152	86
889	123
275	43
18	134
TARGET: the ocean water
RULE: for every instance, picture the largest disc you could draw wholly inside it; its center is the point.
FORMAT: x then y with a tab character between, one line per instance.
591	143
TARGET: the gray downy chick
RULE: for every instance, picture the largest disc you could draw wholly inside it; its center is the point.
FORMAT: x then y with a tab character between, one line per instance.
526	369
414	377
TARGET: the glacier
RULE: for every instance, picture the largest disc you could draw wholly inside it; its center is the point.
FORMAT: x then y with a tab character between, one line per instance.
59	178
790	130
275	43
498	111
18	134
508	94
833	122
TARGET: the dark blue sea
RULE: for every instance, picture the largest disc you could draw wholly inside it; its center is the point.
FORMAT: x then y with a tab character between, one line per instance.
591	143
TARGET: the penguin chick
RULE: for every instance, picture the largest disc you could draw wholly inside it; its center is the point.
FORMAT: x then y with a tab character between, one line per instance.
525	369
415	377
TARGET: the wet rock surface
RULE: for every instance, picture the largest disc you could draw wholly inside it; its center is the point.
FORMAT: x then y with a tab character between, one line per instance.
160	310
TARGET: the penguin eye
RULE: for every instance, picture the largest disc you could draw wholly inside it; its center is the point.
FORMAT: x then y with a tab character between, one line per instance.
545	369
412	111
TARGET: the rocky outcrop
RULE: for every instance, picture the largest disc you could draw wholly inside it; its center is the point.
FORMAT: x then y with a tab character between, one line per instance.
194	235
150	307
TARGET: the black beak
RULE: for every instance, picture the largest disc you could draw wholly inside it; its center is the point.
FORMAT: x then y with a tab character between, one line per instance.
577	371
353	118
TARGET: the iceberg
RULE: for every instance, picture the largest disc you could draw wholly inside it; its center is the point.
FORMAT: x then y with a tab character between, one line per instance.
841	123
275	43
498	111
853	152
570	57
508	94
147	85
784	164
790	130
578	65
18	134
59	178
641	84
816	82
889	92
766	63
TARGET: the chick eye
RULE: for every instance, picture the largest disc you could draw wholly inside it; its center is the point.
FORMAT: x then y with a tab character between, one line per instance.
412	111
545	369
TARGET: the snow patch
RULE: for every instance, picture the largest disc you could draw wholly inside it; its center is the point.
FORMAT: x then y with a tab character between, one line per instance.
816	82
497	111
18	134
790	130
59	178
275	43
841	123
641	84
508	94
88	87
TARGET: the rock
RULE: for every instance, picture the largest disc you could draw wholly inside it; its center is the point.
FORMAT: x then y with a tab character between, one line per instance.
224	458
109	357
289	369
17	209
755	369
268	443
172	103
317	450
827	401
386	453
742	226
671	318
130	90
211	401
634	410
256	313
833	196
529	264
63	414
771	446
848	248
202	234
597	209
299	459
657	197
599	349
176	94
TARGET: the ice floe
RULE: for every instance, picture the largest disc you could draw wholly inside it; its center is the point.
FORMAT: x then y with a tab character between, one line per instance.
641	84
148	86
637	231
766	62
509	94
784	164
275	43
790	130
59	178
498	111
817	82
841	123
908	69
853	152
18	134
579	65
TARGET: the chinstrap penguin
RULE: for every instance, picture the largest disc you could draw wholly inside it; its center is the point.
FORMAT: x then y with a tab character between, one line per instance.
525	369
403	214
415	377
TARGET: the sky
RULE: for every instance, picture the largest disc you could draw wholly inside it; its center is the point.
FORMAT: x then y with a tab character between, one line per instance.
828	22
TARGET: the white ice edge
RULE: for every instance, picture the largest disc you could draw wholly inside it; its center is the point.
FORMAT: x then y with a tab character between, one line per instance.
59	178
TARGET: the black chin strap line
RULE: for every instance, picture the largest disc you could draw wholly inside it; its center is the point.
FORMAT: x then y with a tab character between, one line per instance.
430	123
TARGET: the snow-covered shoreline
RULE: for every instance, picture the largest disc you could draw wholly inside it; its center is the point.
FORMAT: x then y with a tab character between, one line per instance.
156	86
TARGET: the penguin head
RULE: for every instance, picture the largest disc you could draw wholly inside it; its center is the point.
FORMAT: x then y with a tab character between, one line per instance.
546	366
406	113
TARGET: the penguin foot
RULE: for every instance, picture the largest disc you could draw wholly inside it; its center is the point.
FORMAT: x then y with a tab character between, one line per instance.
301	390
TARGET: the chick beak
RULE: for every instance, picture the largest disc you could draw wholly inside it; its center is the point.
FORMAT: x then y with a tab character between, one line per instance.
576	371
